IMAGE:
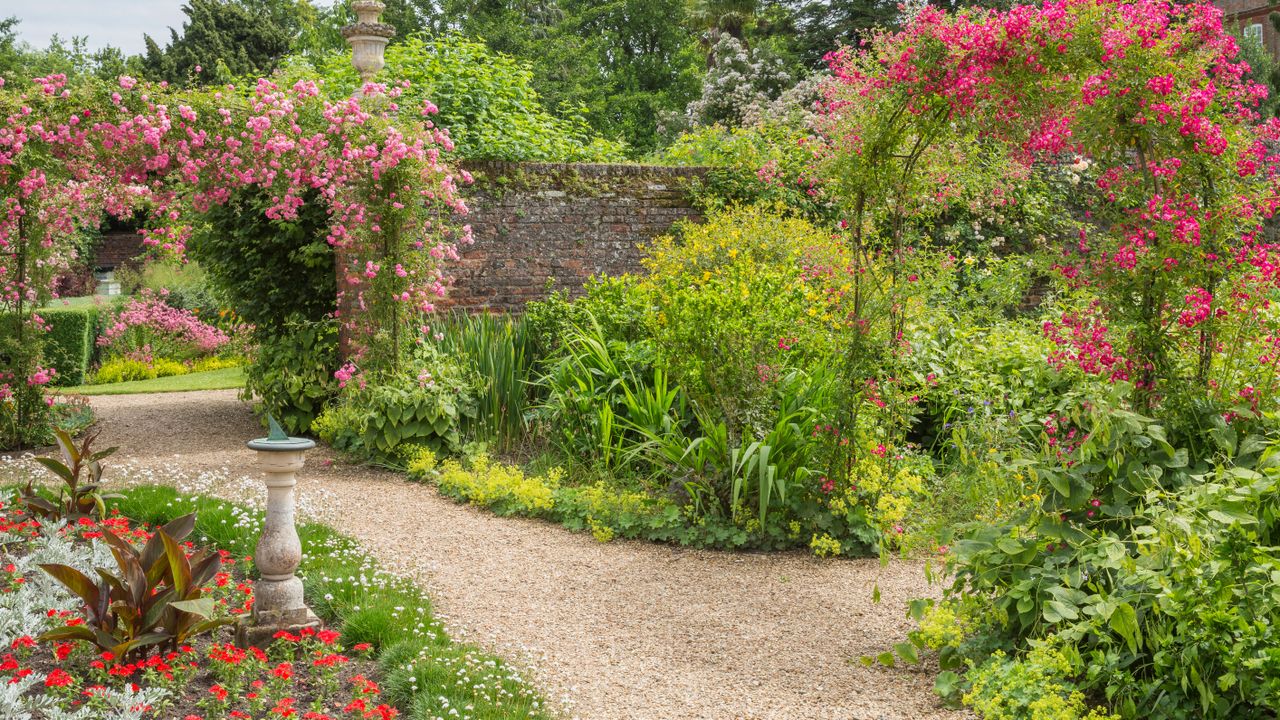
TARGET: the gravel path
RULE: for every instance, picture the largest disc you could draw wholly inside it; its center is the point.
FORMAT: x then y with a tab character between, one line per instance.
617	631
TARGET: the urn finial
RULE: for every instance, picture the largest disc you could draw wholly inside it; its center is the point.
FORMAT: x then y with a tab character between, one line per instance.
368	39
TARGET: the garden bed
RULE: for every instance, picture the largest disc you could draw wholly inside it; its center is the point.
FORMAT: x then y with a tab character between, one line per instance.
384	655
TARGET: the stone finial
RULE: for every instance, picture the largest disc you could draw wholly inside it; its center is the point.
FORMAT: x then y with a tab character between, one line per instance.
368	39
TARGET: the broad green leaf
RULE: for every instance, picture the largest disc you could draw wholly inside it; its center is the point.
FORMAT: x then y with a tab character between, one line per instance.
946	684
907	652
204	607
1124	621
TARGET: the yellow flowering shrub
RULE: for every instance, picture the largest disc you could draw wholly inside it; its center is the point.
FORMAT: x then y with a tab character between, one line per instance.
503	488
944	625
420	462
824	545
771	282
122	369
886	497
600	531
216	363
1035	687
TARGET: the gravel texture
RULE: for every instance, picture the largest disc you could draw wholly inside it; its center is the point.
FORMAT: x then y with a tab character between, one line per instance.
617	631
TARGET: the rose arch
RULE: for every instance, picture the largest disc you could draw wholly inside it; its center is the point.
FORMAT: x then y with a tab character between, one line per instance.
69	155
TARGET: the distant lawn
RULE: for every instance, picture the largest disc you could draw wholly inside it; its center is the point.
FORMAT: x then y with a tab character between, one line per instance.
211	380
87	301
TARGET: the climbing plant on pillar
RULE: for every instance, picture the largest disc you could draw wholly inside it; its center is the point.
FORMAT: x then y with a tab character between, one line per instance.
916	123
50	188
374	167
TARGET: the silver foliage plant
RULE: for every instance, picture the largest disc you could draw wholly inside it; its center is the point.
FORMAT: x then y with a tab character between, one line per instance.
24	611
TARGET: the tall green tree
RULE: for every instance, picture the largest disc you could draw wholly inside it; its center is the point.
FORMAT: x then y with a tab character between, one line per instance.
20	61
408	17
649	62
820	26
224	39
728	17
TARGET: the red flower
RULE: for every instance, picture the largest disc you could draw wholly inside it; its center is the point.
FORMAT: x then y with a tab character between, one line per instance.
59	678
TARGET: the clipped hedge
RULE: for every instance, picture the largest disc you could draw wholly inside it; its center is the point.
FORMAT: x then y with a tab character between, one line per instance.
69	342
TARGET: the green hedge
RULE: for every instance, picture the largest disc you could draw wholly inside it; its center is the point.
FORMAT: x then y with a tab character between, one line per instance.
69	343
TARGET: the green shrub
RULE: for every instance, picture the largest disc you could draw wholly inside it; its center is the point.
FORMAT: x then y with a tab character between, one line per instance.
1157	566
762	165
764	279
389	420
270	272
292	372
70	341
617	305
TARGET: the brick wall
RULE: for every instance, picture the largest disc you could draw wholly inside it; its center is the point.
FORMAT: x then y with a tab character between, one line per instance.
566	222
1241	14
117	248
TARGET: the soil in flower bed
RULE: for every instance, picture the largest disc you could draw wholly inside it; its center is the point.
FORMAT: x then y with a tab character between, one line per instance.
311	675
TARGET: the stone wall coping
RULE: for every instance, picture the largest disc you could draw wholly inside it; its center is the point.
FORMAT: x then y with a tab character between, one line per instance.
588	169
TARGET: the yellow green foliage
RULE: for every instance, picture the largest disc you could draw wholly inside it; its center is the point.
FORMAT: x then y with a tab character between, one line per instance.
600	531
1035	687
122	369
215	363
420	462
945	624
889	497
824	545
751	270
505	488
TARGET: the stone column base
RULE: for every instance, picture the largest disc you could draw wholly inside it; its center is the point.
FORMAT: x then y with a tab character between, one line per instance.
259	630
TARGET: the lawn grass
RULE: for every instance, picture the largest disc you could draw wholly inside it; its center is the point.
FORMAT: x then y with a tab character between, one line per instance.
211	380
87	301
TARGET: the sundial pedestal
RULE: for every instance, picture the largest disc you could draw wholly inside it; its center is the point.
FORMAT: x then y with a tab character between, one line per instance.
278	602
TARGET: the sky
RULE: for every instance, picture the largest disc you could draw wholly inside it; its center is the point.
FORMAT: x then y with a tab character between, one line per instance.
104	22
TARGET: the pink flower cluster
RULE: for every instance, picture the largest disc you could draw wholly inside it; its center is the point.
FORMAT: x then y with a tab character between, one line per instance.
149	325
1155	104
